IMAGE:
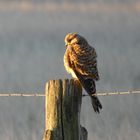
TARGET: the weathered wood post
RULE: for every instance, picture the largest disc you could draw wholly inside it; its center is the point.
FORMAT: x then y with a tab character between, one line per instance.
63	105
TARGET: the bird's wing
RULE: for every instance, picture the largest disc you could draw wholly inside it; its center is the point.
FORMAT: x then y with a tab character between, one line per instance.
85	62
87	82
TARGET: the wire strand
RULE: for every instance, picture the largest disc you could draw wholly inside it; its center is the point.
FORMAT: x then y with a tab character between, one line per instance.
21	95
43	95
116	93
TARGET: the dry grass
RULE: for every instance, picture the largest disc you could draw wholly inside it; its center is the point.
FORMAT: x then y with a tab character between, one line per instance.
82	7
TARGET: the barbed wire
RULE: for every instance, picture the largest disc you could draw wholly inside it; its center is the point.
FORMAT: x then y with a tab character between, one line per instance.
43	95
21	95
116	93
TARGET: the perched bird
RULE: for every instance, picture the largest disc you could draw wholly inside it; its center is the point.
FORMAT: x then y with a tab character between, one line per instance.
80	61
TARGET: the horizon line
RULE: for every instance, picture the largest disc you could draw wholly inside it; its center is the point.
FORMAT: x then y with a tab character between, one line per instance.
74	7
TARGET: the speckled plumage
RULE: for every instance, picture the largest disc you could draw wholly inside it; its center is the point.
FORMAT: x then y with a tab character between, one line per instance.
80	61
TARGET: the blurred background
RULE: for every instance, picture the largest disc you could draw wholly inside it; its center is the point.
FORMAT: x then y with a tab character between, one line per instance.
31	52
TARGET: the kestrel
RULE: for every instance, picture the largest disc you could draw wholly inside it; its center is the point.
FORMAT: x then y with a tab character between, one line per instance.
80	61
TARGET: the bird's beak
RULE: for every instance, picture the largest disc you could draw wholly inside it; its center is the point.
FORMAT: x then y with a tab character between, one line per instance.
66	45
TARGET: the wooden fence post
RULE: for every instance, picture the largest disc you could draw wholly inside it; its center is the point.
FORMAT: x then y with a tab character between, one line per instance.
63	105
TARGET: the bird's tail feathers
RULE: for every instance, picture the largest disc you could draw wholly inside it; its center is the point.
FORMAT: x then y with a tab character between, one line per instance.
89	85
96	104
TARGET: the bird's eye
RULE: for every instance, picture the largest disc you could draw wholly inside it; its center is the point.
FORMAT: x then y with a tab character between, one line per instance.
68	40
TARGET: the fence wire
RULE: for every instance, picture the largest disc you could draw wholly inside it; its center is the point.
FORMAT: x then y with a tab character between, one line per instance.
43	95
21	95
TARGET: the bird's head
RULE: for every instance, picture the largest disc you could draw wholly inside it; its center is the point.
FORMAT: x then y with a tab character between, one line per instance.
74	38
